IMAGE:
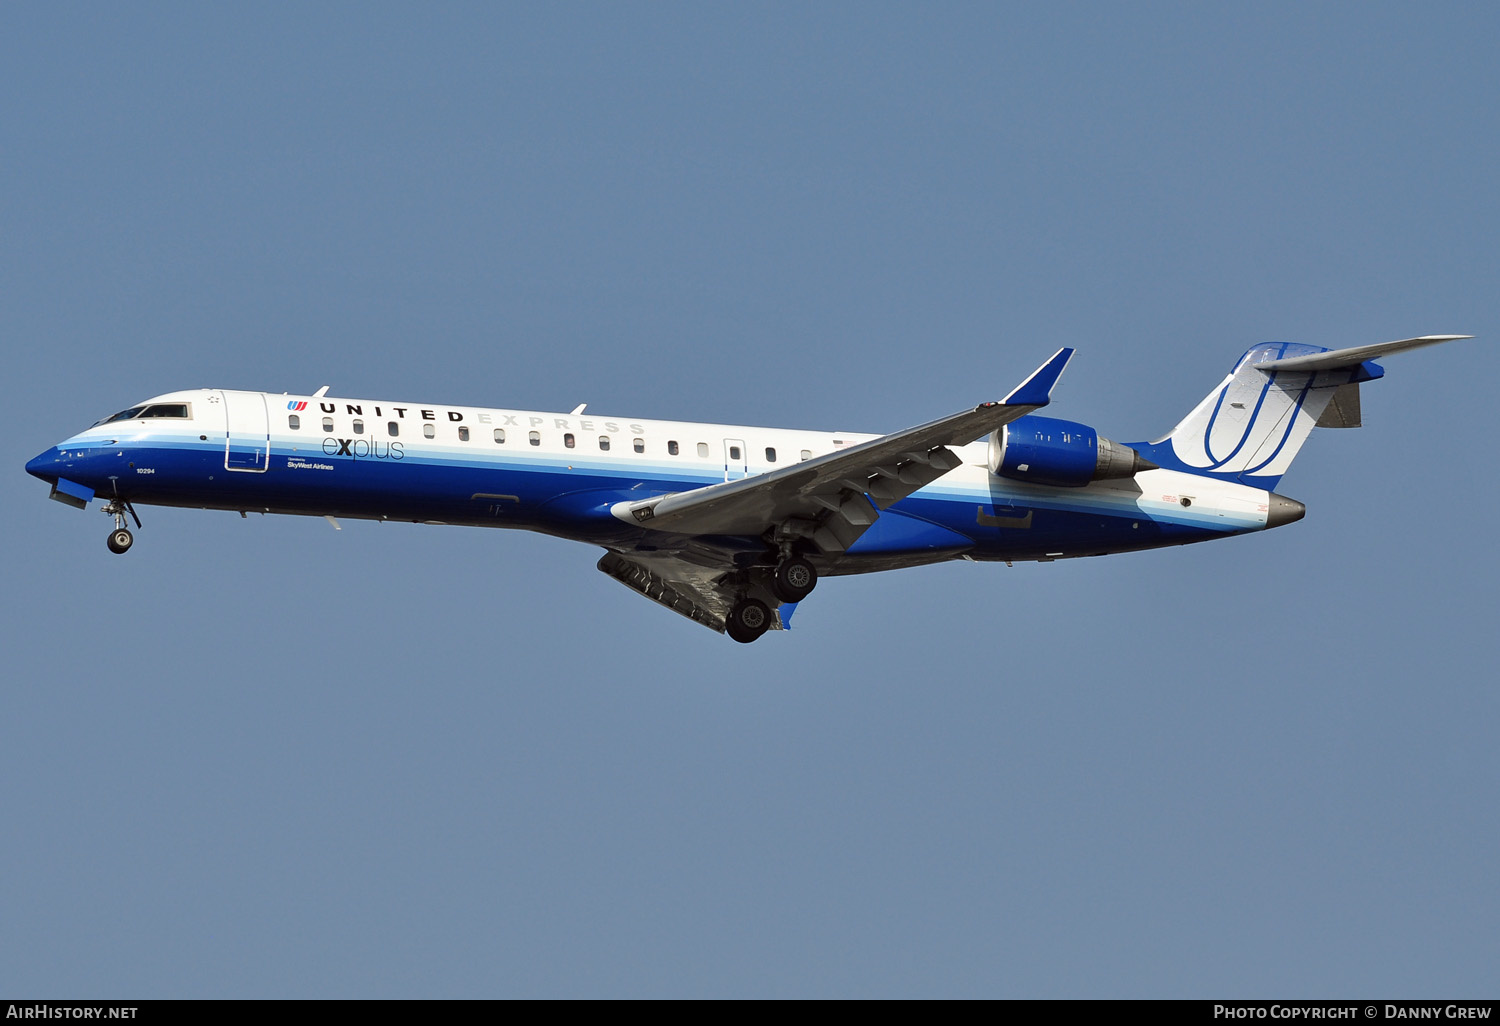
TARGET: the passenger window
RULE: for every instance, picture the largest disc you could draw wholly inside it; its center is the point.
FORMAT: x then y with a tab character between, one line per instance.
604	443
807	454
734	453
294	422
499	436
703	450
359	427
640	445
568	439
328	424
534	437
392	428
770	455
463	433
672	448
428	431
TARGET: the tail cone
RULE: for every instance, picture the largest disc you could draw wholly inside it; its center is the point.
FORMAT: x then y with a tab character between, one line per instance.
1284	511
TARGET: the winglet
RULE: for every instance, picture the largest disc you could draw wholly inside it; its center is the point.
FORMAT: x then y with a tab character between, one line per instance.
1037	389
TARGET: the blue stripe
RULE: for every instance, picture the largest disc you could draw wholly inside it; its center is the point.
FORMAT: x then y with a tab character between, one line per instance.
570	497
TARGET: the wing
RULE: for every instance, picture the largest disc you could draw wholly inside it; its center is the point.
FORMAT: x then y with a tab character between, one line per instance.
703	594
834	498
830	500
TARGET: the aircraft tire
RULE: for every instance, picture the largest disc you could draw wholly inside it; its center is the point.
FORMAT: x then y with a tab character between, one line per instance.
748	620
795	579
120	540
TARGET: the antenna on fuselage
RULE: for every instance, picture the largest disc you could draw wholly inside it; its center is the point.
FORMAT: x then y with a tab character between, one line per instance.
578	410
321	392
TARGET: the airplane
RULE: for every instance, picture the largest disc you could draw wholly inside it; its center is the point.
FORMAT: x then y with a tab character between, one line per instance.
733	526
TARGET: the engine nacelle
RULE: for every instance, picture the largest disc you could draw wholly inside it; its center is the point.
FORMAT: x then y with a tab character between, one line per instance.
1060	453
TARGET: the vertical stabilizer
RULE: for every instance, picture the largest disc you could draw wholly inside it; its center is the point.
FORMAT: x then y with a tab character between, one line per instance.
1251	427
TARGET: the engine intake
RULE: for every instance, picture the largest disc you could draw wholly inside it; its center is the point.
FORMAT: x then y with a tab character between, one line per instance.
1060	453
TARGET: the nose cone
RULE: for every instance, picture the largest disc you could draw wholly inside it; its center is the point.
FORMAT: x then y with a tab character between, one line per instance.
1284	511
45	465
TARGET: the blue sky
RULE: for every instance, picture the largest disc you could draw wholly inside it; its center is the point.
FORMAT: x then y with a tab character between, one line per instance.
261	758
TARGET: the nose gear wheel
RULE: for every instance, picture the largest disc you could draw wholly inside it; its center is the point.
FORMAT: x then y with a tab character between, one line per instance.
120	539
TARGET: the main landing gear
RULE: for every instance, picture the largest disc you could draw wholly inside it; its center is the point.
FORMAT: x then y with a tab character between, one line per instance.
120	539
748	620
792	581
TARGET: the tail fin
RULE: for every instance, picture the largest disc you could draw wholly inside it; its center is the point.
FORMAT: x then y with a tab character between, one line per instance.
1251	427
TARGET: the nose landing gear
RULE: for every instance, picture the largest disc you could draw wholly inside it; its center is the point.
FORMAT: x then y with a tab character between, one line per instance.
120	539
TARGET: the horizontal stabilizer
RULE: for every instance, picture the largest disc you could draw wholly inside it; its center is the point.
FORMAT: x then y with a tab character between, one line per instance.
1335	359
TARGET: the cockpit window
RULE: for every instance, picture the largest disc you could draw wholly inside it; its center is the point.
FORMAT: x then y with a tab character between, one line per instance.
178	411
134	411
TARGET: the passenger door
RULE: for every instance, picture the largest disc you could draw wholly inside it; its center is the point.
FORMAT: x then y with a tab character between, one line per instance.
736	459
247	433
